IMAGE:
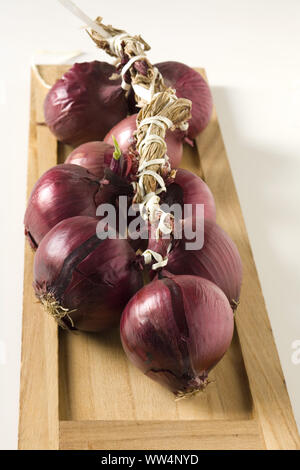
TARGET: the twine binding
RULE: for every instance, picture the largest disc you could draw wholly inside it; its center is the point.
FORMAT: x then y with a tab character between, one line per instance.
160	107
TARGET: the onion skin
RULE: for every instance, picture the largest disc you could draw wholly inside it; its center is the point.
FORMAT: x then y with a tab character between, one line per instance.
85	103
191	85
94	156
187	188
218	261
123	132
195	191
92	278
176	329
64	191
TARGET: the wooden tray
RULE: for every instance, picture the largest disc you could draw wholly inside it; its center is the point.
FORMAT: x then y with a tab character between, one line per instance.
80	392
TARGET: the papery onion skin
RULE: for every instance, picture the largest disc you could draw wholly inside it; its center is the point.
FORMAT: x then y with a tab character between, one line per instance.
85	103
94	156
195	191
69	190
191	85
218	261
64	191
93	279
187	189
176	329
123	132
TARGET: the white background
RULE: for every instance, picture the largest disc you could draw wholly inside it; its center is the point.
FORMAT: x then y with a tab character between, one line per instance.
251	52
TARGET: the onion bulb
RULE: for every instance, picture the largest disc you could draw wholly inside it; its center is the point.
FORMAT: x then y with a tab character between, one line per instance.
82	281
191	85
189	188
176	329
94	156
69	190
64	191
218	261
85	103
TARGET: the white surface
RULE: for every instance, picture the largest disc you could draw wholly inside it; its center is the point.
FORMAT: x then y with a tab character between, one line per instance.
250	49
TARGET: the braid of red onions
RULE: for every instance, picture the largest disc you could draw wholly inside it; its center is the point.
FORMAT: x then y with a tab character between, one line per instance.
177	327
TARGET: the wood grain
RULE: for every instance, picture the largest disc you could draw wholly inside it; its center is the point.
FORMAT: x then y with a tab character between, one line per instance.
38	423
79	391
127	435
267	384
97	362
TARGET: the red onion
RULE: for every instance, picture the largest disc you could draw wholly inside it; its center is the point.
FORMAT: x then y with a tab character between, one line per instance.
94	156
191	85
85	103
188	189
176	329
193	191
218	260
63	191
83	281
123	132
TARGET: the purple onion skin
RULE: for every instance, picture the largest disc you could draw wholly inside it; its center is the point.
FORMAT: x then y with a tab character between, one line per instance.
94	156
64	191
85	103
191	85
196	191
176	329
187	188
218	261
95	278
124	130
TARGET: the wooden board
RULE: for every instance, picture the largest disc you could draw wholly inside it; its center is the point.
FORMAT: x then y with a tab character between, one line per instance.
78	391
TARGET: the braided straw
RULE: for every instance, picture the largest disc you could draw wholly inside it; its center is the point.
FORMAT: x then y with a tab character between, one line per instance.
126	47
133	45
152	95
129	51
165	104
161	109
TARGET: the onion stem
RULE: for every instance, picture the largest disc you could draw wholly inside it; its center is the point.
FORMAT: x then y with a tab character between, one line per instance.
117	153
146	276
